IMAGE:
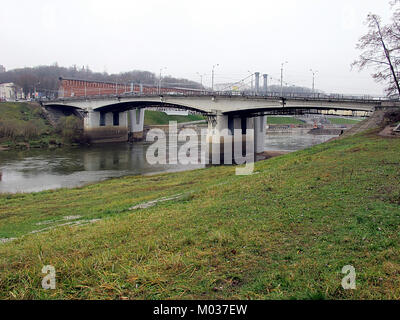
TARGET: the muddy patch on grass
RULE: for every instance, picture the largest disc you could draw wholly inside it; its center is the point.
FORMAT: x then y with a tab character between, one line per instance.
152	203
389	193
388	131
4	240
354	150
72	223
270	154
66	218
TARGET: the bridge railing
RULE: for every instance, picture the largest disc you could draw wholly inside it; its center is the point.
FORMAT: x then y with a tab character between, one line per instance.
268	95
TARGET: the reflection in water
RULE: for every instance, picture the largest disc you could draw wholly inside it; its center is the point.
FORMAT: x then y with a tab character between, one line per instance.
36	170
292	141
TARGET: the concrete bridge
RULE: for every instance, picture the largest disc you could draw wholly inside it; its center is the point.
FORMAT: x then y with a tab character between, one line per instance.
112	118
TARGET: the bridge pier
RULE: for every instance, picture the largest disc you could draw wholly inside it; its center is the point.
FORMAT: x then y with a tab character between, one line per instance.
136	123
259	133
102	127
222	141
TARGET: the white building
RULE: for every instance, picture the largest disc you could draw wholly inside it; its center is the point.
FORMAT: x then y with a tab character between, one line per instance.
11	92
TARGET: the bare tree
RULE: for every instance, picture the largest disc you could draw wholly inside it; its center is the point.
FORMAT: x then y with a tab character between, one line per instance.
381	50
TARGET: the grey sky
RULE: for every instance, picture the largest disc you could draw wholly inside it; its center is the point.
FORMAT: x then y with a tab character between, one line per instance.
190	36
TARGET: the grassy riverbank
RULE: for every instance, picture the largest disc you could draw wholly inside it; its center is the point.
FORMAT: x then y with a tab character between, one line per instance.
283	120
284	232
23	125
161	118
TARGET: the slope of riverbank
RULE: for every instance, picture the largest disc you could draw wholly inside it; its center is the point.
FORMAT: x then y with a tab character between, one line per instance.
284	232
25	125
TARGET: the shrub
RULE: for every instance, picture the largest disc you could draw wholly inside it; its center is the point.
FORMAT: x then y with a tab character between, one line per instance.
71	129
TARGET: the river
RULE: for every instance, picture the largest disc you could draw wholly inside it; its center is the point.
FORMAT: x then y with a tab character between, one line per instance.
42	169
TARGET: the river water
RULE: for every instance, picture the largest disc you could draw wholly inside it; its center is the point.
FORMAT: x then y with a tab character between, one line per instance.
39	169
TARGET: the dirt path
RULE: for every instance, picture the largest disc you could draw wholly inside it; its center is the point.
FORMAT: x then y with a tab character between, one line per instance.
388	132
377	120
371	123
271	154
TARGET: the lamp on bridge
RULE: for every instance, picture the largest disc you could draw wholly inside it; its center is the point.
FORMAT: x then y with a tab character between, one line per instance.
159	80
313	80
212	76
282	64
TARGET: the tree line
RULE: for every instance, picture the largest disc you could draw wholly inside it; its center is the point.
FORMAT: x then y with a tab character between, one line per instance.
45	79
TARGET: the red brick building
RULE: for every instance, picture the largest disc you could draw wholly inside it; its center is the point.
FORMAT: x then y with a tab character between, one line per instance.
83	88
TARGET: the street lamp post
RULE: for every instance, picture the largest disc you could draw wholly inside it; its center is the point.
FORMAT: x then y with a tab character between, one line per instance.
212	76
159	80
282	64
201	78
313	80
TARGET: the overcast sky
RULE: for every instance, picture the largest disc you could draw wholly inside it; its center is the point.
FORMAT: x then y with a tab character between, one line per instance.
191	36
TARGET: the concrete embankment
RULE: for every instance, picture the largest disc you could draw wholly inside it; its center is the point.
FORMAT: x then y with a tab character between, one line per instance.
326	131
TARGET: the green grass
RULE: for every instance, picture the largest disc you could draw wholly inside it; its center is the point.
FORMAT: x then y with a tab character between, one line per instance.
25	123
161	118
343	121
282	233
283	120
23	112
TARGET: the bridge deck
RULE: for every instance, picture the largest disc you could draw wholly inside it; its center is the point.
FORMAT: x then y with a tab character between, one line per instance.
225	103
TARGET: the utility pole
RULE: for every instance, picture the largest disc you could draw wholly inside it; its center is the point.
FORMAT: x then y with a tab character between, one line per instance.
212	76
313	80
283	63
